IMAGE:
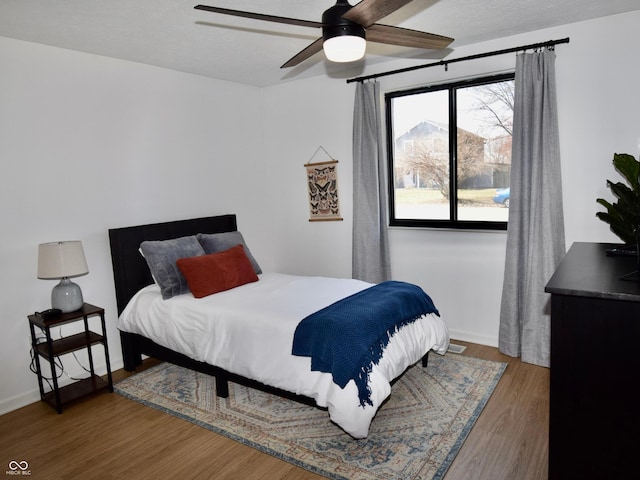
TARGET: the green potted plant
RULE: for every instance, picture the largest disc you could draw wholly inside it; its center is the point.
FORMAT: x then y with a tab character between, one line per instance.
623	216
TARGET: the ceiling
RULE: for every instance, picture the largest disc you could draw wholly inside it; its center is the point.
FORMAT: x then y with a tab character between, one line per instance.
171	34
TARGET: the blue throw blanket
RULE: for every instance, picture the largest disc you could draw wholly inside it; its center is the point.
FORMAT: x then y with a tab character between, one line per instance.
348	337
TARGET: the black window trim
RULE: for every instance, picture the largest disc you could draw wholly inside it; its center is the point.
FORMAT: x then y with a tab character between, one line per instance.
452	222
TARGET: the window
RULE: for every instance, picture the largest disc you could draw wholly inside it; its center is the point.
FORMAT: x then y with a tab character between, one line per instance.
450	154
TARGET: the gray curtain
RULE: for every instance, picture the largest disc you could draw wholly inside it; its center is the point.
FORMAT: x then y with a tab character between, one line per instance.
370	242
535	238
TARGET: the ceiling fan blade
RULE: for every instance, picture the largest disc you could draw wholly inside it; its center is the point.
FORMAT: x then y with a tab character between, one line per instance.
302	55
406	37
368	12
260	16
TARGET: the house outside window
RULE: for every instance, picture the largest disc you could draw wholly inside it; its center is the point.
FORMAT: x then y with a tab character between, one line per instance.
449	149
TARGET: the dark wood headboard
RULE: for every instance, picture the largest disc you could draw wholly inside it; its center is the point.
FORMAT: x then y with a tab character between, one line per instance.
130	270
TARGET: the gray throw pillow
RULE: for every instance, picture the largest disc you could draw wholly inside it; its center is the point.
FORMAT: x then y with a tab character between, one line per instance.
161	256
218	242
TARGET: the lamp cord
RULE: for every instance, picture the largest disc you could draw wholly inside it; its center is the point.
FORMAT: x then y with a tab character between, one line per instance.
57	361
32	367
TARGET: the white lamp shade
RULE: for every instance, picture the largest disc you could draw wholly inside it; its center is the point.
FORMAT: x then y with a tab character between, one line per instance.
61	259
344	48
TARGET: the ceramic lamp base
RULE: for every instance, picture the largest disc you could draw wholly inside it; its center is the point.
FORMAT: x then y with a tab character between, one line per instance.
66	296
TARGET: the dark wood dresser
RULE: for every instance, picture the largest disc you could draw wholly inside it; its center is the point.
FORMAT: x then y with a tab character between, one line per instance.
595	366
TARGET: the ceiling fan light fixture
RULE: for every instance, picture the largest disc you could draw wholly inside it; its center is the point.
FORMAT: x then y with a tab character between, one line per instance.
343	40
346	48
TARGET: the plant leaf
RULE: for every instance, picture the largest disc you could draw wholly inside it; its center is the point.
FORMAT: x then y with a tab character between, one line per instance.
623	216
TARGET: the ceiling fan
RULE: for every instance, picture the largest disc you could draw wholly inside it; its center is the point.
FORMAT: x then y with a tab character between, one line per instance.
345	27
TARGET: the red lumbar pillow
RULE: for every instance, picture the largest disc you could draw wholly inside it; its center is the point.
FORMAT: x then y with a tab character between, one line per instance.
217	272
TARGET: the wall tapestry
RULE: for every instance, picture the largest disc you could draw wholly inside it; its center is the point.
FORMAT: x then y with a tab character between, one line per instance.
322	179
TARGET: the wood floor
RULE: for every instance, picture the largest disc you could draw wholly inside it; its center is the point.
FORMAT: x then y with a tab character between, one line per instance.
109	437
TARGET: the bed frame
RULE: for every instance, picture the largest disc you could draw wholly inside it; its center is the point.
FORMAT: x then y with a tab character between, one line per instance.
131	273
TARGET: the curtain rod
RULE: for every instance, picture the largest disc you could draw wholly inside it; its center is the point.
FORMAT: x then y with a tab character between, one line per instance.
445	63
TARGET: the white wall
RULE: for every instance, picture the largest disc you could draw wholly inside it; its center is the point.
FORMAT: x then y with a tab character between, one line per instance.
89	143
300	117
598	105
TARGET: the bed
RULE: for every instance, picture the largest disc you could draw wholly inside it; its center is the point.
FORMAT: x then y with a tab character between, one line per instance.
244	334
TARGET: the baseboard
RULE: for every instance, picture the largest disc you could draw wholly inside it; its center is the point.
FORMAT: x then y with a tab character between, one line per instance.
18	401
473	338
32	396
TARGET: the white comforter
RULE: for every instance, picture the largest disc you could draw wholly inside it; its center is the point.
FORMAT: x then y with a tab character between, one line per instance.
249	331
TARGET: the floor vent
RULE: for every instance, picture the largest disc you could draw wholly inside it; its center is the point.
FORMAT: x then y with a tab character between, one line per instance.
453	348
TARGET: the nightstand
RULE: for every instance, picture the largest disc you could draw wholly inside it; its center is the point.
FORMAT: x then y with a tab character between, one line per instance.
50	349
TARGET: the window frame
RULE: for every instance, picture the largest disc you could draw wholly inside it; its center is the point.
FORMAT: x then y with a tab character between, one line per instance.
453	222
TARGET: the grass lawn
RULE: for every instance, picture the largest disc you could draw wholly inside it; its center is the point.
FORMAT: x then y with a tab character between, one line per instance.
418	196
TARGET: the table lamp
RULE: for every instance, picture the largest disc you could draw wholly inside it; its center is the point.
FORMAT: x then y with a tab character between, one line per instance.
63	260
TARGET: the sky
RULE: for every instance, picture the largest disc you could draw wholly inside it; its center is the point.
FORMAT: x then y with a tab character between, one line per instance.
410	110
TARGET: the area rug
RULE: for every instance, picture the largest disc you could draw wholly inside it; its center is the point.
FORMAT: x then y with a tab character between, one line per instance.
415	435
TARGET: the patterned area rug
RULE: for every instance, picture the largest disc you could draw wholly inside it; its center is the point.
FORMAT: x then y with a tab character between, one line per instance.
414	436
